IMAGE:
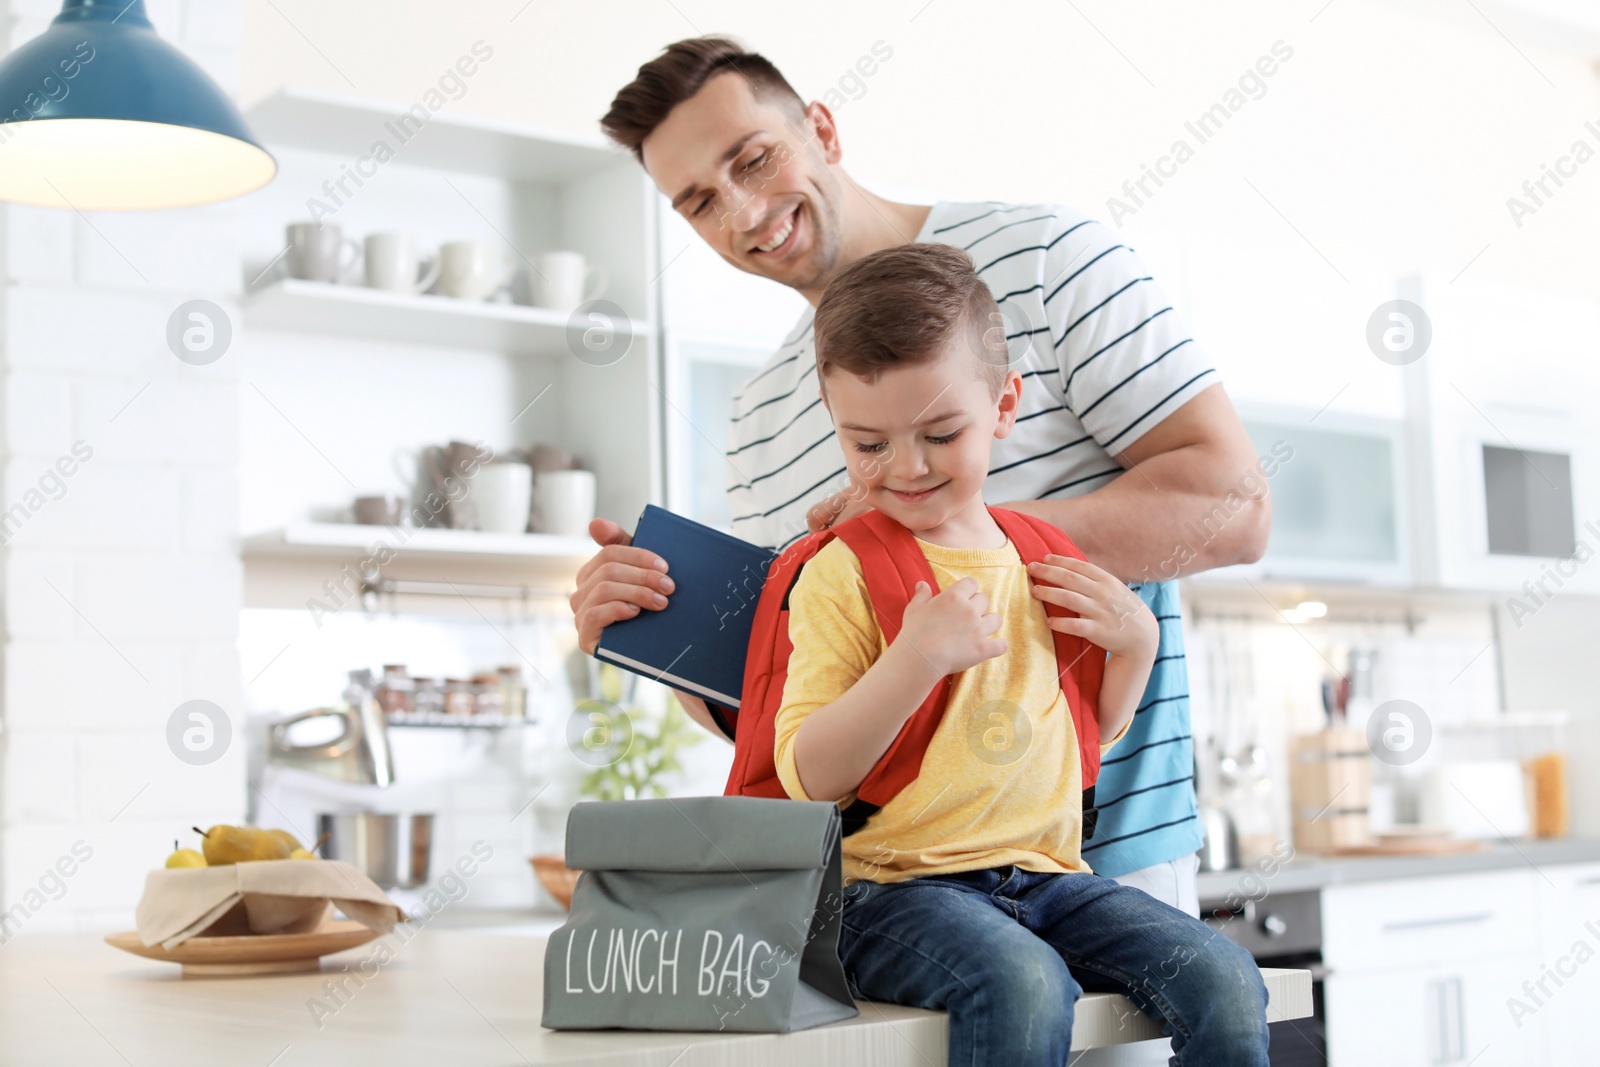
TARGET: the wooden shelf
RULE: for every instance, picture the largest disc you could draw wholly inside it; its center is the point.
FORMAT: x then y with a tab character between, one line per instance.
349	541
439	321
348	126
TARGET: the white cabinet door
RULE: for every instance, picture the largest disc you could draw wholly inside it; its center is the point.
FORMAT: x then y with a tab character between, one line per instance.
1565	992
1447	1015
1421	970
1340	497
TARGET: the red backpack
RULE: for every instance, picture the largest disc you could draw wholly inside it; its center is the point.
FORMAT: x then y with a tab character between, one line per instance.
892	564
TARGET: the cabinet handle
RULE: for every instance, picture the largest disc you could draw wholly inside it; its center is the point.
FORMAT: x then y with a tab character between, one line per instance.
1590	881
1452	920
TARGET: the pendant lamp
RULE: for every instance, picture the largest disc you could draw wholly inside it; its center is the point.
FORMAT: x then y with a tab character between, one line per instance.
99	114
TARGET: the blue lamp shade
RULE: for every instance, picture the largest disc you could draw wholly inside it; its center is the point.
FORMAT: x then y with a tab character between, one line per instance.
99	114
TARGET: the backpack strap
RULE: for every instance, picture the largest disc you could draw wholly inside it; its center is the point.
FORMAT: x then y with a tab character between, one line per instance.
892	565
1080	662
754	771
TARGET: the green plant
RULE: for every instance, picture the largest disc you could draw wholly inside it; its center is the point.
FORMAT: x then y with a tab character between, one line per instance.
643	756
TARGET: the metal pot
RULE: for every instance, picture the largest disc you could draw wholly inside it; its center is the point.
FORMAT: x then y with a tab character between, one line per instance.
1220	852
392	850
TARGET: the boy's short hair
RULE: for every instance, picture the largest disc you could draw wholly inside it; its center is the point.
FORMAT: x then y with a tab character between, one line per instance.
680	71
905	305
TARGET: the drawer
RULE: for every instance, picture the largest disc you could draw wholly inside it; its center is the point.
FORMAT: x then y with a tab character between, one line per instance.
1424	921
1580	879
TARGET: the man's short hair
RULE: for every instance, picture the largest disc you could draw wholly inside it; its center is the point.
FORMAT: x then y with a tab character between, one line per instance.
679	72
905	305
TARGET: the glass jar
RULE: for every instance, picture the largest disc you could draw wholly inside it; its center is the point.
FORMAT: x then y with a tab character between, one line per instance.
516	692
427	696
396	695
458	697
488	696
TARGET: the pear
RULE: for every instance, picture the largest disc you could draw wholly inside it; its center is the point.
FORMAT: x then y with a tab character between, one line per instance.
185	857
287	838
241	844
302	854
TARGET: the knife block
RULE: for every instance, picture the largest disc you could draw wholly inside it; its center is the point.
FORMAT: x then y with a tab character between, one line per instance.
1330	781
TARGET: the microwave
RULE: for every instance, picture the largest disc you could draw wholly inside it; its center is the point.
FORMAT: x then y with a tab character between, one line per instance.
1517	502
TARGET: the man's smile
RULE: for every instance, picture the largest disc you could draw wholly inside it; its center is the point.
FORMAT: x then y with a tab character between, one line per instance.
780	237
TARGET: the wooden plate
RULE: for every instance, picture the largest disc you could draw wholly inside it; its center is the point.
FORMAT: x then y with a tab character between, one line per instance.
253	953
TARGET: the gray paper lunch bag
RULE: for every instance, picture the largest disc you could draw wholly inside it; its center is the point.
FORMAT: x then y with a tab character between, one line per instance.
700	913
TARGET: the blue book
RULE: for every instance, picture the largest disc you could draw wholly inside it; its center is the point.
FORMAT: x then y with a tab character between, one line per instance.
697	643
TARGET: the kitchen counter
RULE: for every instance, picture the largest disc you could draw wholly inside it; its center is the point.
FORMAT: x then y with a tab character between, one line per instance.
454	996
1318	871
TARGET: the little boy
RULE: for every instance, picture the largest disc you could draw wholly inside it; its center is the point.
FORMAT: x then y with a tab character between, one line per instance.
967	891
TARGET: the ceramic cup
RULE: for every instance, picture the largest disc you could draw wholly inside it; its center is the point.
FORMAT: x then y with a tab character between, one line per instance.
392	262
318	252
565	502
379	510
563	280
503	492
472	270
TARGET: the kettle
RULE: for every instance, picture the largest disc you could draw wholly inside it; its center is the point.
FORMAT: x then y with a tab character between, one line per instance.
1221	849
360	753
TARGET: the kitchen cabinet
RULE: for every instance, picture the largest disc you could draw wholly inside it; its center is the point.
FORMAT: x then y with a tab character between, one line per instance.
1569	921
1420	970
1449	1014
397	372
1340	497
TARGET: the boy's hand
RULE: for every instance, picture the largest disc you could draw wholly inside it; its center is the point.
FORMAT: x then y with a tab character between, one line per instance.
951	631
1111	615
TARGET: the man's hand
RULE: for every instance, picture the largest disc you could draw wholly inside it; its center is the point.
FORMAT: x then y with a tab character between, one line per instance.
1110	614
616	583
952	631
840	507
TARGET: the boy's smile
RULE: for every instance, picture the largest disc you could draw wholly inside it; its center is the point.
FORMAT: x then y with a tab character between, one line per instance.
916	441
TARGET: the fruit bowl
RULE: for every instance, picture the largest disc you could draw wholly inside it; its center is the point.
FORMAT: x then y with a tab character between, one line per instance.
252	954
559	879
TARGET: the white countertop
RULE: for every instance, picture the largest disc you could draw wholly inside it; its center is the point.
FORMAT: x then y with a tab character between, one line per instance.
448	996
1317	872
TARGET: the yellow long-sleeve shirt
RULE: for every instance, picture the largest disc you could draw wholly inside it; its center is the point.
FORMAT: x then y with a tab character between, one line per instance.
1000	782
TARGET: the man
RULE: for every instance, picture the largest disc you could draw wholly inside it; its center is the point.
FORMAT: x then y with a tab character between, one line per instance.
1125	439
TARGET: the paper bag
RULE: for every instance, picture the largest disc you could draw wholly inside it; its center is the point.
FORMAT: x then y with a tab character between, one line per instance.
274	896
700	913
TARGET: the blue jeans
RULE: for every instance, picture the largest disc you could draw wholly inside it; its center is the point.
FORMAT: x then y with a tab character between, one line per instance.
1006	952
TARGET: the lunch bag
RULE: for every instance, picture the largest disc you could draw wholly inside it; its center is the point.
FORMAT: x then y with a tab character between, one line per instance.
700	913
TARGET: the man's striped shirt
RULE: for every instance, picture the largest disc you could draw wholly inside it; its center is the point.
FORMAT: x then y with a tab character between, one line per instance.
1103	358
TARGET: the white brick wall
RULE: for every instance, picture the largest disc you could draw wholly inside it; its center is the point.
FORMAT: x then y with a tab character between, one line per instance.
121	594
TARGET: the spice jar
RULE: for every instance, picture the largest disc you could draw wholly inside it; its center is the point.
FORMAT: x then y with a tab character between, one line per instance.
396	695
516	692
428	696
458	697
488	696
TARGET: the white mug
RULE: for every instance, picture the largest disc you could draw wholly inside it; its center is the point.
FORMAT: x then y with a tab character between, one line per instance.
317	252
565	501
562	281
472	270
392	262
503	492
